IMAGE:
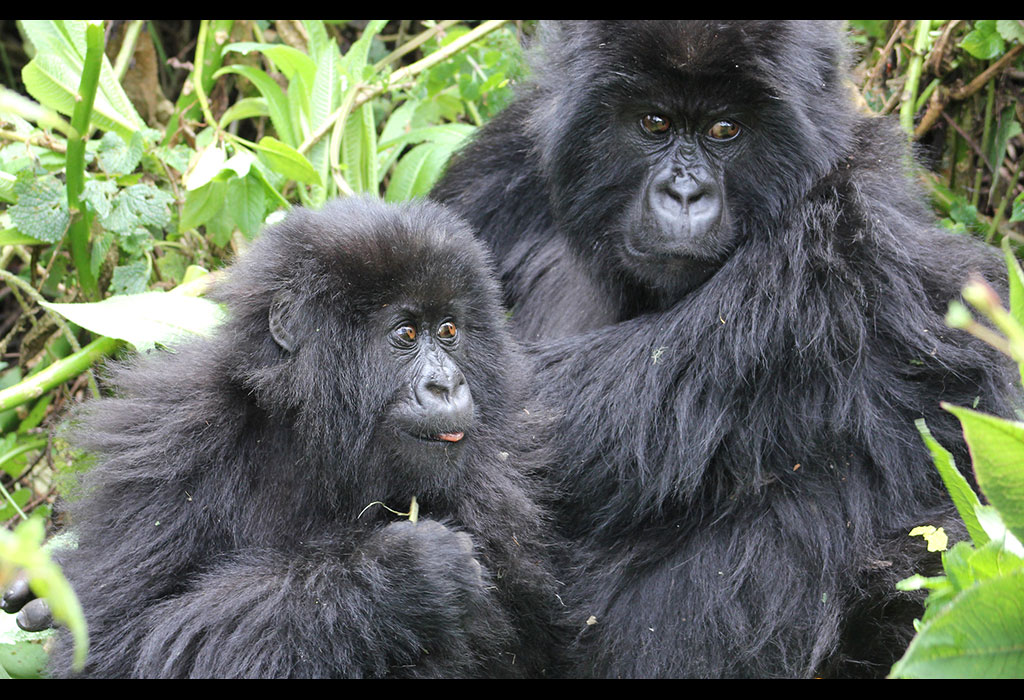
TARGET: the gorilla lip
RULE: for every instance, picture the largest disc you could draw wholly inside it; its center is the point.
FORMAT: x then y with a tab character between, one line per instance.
450	437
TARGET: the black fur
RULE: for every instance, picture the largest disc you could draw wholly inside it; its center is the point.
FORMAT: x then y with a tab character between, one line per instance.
222	532
739	462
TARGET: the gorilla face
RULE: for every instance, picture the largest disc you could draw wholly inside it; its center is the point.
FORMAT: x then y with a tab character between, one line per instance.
432	412
680	228
668	144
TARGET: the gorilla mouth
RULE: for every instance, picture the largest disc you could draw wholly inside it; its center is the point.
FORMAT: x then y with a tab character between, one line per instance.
453	437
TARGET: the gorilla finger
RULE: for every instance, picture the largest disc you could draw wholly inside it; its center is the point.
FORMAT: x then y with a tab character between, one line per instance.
16	595
35	616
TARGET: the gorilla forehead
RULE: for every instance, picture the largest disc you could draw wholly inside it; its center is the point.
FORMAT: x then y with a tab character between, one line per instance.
778	54
360	249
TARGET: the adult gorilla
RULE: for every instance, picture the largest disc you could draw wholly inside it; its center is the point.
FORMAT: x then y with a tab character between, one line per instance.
227	528
750	293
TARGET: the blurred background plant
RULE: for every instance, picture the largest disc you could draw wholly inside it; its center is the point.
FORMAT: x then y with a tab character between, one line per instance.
136	156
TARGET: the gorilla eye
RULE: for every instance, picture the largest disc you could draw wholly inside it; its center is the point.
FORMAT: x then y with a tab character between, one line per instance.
655	124
724	130
405	334
447	331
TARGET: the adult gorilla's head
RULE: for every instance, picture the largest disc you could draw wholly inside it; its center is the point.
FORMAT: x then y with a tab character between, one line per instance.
667	143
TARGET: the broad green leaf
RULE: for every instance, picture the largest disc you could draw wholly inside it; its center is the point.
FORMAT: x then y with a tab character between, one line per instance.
52	76
248	202
145	319
979	635
42	208
997	451
202	204
961	492
245	108
285	160
984	40
418	170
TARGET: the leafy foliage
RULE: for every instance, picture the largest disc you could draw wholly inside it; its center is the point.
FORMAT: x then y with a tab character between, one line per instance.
973	626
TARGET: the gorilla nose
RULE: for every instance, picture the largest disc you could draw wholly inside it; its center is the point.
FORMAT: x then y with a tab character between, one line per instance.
445	396
686	205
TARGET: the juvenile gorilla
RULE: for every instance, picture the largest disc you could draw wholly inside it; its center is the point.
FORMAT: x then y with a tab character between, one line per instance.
227	528
750	294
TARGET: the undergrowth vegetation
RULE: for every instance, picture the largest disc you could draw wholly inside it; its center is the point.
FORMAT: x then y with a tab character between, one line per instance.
138	157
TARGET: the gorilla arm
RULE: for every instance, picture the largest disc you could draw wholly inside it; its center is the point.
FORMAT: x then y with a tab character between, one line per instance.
409	602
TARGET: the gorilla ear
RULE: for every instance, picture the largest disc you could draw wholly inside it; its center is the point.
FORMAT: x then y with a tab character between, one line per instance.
280	314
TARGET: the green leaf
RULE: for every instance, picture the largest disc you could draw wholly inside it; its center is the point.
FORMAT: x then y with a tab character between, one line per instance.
52	77
418	170
277	104
285	160
117	157
961	492
979	635
984	40
1010	29
132	278
245	108
997	451
145	319
42	208
248	203
12	236
359	150
286	59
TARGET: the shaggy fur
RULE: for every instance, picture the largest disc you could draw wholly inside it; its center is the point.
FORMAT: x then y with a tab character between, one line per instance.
222	532
739	463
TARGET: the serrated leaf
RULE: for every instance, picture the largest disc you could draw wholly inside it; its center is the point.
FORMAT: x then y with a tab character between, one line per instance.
42	208
99	194
139	205
117	157
145	319
132	278
997	451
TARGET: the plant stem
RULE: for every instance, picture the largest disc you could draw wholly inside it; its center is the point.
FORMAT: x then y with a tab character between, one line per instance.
57	373
78	233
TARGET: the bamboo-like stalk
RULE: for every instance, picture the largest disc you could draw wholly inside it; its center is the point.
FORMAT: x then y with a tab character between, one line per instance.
71	366
78	233
909	98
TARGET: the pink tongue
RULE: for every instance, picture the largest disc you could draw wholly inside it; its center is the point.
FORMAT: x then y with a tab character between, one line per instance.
451	437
